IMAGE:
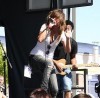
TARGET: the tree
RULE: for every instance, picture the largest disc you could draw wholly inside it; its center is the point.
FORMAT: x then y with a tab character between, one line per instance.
2	62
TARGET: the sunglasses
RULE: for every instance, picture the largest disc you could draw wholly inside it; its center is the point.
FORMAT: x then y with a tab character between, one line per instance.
48	47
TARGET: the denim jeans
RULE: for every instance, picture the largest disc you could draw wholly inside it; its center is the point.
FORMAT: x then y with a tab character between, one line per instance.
46	66
65	81
53	84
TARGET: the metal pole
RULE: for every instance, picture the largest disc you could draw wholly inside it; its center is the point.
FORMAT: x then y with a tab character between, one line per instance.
74	21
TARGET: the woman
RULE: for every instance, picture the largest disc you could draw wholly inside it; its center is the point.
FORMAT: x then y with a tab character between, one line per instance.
41	56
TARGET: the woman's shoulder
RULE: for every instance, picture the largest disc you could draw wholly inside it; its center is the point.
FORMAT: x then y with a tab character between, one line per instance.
43	27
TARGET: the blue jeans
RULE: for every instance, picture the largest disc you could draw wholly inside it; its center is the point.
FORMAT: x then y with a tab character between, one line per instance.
53	83
65	81
46	66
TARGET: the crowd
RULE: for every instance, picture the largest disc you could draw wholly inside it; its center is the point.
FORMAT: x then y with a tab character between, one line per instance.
41	93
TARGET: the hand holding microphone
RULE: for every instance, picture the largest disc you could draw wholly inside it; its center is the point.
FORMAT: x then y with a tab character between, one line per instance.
51	22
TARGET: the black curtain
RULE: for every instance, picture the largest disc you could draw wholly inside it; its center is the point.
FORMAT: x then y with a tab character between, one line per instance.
21	36
21	30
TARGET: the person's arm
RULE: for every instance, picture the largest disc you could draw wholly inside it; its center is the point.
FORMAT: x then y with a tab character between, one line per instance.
74	62
68	45
43	33
42	36
58	66
73	54
66	42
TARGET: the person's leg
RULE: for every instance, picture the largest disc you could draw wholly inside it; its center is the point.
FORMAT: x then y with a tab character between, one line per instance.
37	63
67	85
46	75
67	94
43	65
53	87
60	82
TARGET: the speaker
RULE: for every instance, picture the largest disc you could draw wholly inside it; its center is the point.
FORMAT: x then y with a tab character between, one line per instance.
38	5
42	5
74	3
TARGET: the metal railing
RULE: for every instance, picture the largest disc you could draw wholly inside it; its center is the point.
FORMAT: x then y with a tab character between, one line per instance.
76	74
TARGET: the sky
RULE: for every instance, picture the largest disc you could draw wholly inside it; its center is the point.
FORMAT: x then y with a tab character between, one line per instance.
2	31
87	23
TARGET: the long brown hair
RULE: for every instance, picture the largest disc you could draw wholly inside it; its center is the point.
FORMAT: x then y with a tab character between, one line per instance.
58	14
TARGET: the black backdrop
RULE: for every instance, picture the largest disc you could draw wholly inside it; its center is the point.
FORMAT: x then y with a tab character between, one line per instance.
21	30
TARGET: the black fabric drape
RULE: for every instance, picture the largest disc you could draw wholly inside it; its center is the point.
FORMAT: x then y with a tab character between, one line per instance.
21	30
21	36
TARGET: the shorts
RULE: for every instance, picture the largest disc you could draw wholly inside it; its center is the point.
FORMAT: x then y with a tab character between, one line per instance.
65	81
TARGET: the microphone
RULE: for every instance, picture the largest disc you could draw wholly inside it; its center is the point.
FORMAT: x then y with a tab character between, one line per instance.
51	22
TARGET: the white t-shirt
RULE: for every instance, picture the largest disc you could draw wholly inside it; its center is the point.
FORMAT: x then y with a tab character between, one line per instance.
41	48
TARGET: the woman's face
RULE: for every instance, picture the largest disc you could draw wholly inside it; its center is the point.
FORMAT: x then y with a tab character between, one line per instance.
57	21
68	28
